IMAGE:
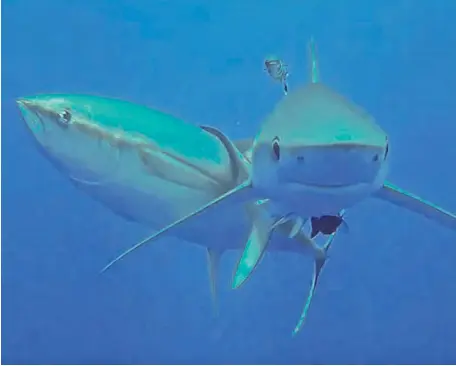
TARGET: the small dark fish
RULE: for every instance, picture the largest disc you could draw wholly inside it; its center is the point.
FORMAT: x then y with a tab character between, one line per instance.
326	224
278	71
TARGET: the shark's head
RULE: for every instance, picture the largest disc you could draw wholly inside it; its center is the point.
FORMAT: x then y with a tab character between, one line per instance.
322	150
86	136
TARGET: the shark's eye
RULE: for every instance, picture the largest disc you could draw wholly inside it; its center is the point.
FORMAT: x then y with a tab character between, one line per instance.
65	117
276	148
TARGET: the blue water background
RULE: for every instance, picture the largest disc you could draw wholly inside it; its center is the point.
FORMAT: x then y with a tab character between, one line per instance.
388	294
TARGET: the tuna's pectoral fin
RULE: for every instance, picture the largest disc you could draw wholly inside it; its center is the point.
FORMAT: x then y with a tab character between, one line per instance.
241	193
402	198
213	260
320	261
259	238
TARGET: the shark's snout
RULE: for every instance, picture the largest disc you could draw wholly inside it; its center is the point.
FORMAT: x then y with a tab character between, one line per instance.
335	166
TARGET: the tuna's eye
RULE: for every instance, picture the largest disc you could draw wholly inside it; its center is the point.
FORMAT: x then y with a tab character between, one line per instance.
65	117
276	148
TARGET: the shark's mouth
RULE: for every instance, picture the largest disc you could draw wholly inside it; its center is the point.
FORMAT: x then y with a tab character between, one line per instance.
332	185
337	187
328	188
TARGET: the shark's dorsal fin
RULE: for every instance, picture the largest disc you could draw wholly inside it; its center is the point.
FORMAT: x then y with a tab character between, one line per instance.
213	261
314	70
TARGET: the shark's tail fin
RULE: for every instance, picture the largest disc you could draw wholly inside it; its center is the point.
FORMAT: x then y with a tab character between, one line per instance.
320	260
314	70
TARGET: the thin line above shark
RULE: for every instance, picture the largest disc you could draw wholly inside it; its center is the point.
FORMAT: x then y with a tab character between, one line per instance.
316	154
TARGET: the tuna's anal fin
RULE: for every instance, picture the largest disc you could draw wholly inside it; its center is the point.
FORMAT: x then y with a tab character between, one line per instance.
213	261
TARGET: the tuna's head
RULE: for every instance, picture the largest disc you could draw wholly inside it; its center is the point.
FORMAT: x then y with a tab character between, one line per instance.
77	133
89	137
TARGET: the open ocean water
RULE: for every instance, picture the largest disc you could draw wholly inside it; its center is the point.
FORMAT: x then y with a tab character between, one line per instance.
388	293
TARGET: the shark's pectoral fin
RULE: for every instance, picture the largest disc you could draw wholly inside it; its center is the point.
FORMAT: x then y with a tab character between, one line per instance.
320	261
239	194
411	202
259	238
213	260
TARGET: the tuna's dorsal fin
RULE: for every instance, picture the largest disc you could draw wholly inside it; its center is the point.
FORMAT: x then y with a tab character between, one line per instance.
243	145
314	70
411	202
213	261
238	161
